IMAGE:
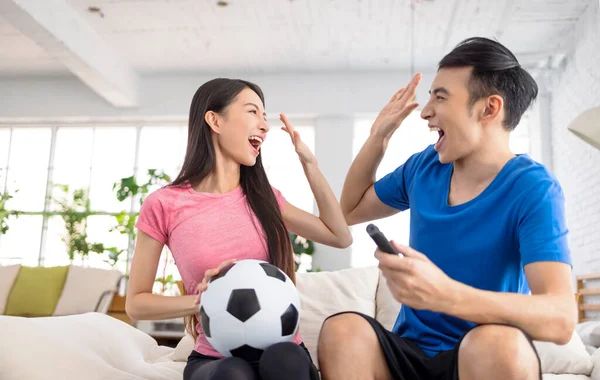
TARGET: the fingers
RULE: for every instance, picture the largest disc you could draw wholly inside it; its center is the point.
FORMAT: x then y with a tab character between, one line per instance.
294	135
286	122
209	274
411	89
398	94
225	264
408	251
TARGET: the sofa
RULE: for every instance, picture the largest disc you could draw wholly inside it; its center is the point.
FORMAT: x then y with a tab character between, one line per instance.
56	291
96	346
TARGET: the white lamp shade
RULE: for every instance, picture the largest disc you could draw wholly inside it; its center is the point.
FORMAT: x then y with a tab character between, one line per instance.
587	126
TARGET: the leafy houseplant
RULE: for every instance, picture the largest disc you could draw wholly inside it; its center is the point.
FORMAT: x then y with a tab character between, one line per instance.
302	246
74	211
127	189
4	213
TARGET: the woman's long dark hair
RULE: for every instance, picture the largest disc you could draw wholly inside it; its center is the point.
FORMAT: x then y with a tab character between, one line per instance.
200	162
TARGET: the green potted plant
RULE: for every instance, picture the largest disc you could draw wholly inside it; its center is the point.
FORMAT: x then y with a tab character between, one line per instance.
4	213
302	246
127	189
74	209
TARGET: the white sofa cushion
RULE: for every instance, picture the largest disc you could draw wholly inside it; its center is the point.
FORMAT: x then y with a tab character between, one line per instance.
90	346
8	275
386	307
571	358
589	332
83	288
323	294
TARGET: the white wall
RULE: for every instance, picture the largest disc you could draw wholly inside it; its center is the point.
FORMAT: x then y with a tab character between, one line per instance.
576	163
169	96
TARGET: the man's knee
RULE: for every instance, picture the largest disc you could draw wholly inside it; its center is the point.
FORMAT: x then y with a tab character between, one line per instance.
503	349
349	328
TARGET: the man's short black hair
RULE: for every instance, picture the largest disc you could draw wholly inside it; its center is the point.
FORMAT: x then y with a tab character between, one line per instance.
496	71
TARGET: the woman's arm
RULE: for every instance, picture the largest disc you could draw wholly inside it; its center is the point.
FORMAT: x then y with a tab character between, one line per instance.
141	303
330	226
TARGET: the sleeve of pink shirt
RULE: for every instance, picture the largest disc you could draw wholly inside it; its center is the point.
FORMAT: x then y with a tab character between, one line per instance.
280	198
153	218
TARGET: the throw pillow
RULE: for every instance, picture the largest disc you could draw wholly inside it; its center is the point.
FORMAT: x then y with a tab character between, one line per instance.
84	288
589	332
36	291
571	358
8	274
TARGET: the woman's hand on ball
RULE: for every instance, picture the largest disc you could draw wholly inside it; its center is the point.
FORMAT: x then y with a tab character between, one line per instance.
210	273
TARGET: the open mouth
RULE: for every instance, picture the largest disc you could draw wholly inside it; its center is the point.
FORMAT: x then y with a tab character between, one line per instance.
255	143
441	134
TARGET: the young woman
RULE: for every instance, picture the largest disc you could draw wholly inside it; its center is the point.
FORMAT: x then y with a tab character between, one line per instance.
222	208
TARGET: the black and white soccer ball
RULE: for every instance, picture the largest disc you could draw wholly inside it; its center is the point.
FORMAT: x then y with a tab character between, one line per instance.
248	307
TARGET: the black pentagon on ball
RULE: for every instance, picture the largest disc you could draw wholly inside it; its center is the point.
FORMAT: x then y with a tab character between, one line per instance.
247	353
222	272
272	271
205	322
243	304
289	320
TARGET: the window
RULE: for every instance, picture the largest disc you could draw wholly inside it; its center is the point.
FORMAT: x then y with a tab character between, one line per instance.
411	137
4	150
112	159
283	167
161	148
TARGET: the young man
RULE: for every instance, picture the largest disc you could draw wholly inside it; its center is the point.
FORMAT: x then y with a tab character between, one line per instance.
488	268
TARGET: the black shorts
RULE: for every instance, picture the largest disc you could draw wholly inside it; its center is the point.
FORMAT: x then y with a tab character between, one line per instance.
407	361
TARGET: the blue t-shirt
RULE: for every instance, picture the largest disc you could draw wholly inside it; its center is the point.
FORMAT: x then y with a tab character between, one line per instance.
484	243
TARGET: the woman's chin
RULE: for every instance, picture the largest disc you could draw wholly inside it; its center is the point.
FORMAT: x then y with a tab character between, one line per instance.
249	161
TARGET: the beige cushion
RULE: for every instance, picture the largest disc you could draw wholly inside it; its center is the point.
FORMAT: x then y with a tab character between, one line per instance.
89	346
83	289
323	294
184	348
590	333
386	307
570	358
8	274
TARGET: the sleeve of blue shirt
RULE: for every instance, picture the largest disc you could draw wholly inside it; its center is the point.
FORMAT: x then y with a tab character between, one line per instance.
542	227
392	189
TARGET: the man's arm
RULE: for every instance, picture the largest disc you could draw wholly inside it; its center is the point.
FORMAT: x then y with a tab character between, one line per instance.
358	200
549	314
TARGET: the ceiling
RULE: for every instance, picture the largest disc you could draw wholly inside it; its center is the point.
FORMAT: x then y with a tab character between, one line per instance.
173	36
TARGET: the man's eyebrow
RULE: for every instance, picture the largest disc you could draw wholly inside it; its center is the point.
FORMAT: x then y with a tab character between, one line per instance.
438	90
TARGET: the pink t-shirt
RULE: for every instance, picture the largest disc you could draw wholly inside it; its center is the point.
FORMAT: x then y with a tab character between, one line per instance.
202	230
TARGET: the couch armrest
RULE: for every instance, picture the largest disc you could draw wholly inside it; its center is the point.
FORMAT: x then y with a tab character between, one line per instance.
107	296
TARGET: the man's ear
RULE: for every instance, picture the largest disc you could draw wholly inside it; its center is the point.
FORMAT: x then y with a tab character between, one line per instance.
212	119
493	108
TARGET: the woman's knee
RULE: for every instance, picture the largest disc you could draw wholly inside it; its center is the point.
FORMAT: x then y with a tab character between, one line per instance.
281	358
226	369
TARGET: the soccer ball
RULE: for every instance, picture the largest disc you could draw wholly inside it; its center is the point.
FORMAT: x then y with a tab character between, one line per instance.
247	307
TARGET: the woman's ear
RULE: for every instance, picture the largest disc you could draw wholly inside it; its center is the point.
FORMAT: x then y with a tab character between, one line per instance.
212	119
